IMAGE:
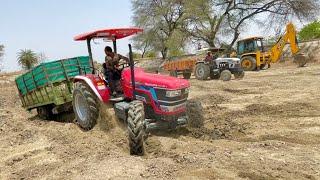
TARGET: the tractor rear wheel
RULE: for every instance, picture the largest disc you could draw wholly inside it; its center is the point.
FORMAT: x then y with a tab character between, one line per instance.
239	75
195	114
85	106
202	71
186	75
225	75
248	63
136	128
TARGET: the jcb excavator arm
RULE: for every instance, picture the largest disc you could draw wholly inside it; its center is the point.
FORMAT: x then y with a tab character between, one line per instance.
289	36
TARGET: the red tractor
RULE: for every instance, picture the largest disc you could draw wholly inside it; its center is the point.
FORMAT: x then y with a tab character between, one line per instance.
148	101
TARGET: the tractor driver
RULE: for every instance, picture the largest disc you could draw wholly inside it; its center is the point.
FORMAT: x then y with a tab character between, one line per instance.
111	67
209	57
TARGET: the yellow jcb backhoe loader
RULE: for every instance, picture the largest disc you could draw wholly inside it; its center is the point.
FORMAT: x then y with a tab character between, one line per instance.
254	56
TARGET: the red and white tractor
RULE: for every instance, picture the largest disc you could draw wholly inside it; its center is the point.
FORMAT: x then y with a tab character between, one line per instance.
148	101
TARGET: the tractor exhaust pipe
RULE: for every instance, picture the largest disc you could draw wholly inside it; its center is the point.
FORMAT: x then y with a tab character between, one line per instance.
131	62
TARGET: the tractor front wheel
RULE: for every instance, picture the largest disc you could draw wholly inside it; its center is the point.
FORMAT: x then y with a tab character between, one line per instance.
225	75
85	106
248	63
136	128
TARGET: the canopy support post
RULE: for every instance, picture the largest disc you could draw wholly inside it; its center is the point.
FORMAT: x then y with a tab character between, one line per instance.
114	46
90	55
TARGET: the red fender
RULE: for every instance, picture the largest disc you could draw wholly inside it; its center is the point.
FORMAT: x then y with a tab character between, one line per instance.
97	85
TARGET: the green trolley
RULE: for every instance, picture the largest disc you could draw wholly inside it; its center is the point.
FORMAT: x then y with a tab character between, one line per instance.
48	86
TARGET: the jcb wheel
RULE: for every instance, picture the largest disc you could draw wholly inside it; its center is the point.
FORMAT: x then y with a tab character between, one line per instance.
202	71
225	75
248	63
136	128
85	106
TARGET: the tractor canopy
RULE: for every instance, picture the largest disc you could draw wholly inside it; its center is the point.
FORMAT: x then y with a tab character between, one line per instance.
110	34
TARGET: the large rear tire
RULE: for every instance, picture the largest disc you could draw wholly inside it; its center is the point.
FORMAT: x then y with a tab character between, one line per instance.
202	71
136	128
248	63
85	106
225	75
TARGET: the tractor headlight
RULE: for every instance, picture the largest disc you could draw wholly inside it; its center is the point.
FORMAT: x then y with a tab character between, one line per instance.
174	93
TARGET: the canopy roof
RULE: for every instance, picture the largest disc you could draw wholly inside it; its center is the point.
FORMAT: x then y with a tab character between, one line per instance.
111	34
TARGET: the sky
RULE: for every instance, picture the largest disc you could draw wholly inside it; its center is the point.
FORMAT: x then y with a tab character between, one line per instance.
48	26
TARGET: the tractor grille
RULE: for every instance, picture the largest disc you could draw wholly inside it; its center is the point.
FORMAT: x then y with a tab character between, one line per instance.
161	94
171	101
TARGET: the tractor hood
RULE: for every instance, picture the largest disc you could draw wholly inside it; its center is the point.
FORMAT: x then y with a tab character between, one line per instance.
154	80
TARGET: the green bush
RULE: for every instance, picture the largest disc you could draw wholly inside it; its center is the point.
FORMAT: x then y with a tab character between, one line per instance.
310	31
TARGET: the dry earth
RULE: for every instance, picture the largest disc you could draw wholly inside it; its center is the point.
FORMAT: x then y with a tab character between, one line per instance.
266	126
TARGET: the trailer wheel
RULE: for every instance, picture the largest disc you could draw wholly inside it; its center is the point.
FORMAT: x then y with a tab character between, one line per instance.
45	112
136	128
202	71
85	106
195	114
186	75
225	75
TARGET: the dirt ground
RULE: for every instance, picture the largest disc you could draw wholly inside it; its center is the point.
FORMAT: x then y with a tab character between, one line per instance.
266	126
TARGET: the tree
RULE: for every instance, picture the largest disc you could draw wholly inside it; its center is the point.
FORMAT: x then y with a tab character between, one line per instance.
161	20
1	55
310	31
212	20
143	43
27	58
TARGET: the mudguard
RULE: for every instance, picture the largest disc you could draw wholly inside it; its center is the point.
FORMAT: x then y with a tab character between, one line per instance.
97	85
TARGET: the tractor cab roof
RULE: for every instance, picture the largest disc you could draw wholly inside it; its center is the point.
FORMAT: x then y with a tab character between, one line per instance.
110	34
